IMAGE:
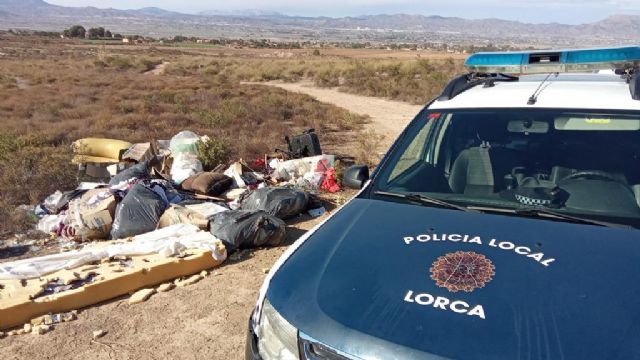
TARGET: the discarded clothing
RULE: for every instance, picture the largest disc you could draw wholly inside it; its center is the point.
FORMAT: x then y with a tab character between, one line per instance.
329	183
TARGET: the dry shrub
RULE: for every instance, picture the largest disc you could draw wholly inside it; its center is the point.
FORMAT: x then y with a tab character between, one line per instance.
368	147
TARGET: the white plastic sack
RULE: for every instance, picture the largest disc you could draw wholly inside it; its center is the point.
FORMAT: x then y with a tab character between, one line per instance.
235	172
168	241
184	166
50	223
296	168
184	142
312	180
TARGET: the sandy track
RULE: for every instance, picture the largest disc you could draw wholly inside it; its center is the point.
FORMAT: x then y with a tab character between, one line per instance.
387	117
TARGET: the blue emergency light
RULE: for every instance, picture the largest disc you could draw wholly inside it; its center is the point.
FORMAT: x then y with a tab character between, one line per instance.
551	61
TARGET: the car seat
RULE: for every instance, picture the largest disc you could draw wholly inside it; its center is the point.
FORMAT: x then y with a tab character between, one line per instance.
481	170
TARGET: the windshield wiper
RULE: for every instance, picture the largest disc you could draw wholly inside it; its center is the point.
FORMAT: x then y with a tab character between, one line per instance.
550	214
425	200
560	216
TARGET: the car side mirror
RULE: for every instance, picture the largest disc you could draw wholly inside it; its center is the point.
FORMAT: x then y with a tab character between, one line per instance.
355	176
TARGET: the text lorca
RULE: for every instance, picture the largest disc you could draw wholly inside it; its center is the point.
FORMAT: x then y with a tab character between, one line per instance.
503	245
442	303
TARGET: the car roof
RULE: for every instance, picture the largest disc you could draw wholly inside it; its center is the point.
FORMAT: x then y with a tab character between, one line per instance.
604	91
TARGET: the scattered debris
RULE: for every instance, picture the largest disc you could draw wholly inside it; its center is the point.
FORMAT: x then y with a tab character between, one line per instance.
265	270
189	281
239	255
166	287
99	333
317	212
166	217
141	296
41	329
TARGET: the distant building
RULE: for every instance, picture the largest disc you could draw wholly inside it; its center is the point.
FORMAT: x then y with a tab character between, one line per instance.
125	40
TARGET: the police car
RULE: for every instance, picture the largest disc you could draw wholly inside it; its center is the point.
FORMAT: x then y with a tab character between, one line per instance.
502	224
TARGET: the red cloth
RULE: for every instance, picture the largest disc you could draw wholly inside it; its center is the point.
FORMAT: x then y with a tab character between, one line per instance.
258	165
329	183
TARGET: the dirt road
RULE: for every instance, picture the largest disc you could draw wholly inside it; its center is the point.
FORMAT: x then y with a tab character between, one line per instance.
387	117
207	320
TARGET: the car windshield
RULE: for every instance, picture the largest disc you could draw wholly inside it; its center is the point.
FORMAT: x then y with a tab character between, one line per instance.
585	164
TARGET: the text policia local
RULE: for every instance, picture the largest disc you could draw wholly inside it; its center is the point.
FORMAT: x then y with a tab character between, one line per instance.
503	245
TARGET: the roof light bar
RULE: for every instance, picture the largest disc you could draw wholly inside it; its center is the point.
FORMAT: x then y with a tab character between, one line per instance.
550	61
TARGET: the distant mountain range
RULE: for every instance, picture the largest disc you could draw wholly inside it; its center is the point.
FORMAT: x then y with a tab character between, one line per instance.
152	21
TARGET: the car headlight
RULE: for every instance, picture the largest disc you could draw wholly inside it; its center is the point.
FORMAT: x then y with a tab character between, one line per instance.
278	340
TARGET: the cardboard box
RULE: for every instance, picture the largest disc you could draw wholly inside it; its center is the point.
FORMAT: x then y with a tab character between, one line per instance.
141	152
92	214
97	171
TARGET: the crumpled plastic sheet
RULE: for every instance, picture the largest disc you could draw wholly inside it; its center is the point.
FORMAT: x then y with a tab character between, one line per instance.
169	241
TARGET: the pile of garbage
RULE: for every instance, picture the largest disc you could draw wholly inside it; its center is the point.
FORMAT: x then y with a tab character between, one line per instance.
155	199
154	185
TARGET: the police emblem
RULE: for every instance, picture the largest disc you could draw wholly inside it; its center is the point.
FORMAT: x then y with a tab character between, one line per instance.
462	271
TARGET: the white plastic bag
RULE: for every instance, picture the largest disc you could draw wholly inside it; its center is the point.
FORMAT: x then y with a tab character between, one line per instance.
185	166
168	241
184	142
50	223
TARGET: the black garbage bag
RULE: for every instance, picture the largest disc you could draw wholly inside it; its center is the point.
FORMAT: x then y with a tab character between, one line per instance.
60	201
247	229
138	213
283	203
139	171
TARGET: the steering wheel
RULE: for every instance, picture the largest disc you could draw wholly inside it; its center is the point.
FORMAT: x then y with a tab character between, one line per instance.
592	174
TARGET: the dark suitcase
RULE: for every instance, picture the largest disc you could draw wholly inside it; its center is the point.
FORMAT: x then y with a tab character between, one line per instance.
304	145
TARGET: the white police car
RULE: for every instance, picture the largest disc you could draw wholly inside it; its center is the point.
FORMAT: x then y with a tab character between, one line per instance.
502	224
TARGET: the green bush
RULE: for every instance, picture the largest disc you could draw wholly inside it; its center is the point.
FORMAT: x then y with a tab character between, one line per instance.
213	152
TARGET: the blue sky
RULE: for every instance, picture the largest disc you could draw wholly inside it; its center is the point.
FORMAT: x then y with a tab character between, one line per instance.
538	11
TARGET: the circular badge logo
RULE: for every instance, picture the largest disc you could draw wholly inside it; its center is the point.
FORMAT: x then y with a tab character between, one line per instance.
462	271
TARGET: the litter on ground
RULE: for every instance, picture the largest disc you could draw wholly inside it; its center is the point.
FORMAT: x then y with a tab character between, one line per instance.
148	218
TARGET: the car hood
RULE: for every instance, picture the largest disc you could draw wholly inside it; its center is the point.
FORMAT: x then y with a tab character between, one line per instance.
393	280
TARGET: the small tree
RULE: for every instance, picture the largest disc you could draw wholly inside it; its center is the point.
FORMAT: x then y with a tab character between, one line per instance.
96	33
108	34
77	31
